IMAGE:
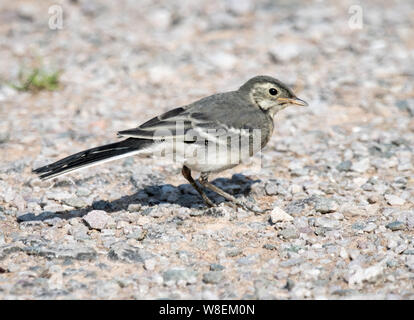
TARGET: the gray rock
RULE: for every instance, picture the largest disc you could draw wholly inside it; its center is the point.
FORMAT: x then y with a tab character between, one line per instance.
361	166
394	200
220	211
326	205
289	233
5	250
234	252
278	215
97	219
75	202
396	225
122	251
269	246
64	251
271	187
178	275
406	105
213	277
344	166
134	207
216	267
137	233
370	274
327	223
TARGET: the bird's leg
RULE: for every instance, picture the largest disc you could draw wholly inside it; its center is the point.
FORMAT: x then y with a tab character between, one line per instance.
204	181
187	174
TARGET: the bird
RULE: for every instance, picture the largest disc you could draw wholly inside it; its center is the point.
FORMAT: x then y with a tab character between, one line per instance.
210	135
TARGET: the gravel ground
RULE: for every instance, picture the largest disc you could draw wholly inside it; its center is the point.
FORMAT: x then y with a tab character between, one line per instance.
339	174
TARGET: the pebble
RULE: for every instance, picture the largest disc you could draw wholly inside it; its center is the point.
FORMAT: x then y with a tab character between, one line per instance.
396	225
97	219
213	277
75	202
234	252
122	251
344	166
326	205
289	233
370	274
216	267
394	200
361	166
278	215
177	276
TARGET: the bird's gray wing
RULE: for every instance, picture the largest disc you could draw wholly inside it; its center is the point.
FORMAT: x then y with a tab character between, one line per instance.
213	116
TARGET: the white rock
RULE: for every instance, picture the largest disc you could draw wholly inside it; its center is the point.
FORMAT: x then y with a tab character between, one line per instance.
361	166
394	200
278	215
160	73
97	219
343	253
160	19
369	274
240	7
285	52
295	188
223	60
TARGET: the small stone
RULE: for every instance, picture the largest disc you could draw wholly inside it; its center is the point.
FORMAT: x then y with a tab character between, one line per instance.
373	198
326	205
75	202
240	7
184	276
83	192
160	19
213	277
371	226
216	267
361	166
136	233
219	211
285	52
124	252
289	233
134	207
327	223
343	253
269	246
278	215
344	166
396	225
223	60
149	264
234	252
271	188
394	200
97	219
369	274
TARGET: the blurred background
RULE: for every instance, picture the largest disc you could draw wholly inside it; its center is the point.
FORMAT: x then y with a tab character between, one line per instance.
73	73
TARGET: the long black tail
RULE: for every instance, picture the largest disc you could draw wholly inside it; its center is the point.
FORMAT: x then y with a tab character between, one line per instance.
92	157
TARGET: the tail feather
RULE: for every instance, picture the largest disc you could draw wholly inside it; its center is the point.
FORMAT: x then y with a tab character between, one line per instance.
92	157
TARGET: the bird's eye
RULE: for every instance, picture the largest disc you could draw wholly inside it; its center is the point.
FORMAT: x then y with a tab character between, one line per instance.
273	91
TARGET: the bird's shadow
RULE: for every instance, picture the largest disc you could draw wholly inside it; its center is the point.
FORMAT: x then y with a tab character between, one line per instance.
148	196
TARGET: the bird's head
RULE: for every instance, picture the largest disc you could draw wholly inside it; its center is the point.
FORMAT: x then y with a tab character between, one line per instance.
269	94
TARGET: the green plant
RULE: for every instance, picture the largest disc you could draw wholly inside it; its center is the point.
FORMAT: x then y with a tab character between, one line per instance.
38	79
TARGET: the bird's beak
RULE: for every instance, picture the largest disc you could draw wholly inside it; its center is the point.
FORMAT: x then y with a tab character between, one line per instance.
296	101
